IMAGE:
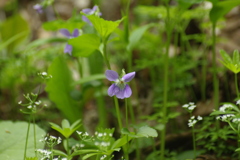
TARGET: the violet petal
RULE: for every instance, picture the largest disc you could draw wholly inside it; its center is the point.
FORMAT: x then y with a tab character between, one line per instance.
65	32
75	33
120	94
113	89
128	77
68	49
111	75
127	91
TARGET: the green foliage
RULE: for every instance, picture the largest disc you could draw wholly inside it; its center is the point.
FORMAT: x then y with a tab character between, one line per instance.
221	8
59	88
13	137
85	45
214	139
103	27
233	64
66	130
14	35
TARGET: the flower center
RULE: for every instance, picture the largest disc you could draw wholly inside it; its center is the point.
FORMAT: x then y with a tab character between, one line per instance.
120	83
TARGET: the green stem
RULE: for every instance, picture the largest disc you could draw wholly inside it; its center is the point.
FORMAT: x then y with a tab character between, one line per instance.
34	134
118	112
215	80
236	85
68	151
194	143
80	68
165	89
126	111
26	142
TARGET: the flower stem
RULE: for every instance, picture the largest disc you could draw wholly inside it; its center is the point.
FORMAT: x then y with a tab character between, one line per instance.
34	134
215	80
194	143
165	89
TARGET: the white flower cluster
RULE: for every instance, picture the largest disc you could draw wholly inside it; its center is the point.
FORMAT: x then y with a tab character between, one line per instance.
192	121
84	136
44	153
226	117
51	140
99	135
102	144
190	106
226	107
44	75
78	146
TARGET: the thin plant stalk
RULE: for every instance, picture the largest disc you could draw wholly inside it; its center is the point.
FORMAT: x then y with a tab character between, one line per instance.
26	142
34	135
165	89
236	85
215	80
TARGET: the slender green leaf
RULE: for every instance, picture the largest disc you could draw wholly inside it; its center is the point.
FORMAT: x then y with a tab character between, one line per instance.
236	57
136	35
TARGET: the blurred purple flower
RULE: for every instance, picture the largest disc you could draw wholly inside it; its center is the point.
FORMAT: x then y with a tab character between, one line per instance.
66	33
38	8
120	89
94	10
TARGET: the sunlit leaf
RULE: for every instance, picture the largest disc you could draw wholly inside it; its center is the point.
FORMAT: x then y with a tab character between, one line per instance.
13	137
146	131
103	27
85	45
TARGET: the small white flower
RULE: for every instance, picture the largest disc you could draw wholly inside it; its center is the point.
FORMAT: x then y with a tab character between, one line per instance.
199	118
20	102
44	73
79	133
238	102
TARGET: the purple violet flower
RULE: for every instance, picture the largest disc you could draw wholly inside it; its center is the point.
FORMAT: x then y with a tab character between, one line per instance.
68	48
94	10
119	88
38	8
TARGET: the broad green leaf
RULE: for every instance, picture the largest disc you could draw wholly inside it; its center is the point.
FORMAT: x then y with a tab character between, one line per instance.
12	27
60	24
12	139
103	27
59	153
136	35
85	45
59	88
221	8
146	131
